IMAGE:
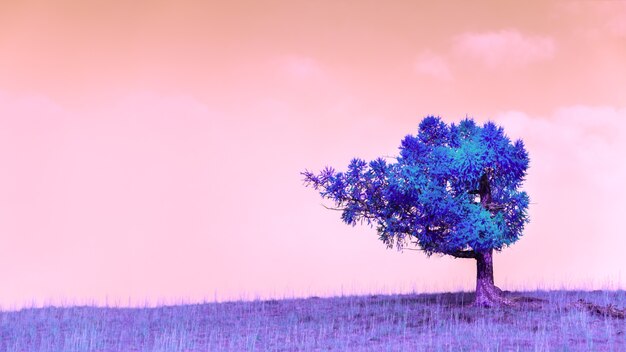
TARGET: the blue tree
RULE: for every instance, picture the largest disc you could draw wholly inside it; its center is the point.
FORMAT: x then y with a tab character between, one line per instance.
453	190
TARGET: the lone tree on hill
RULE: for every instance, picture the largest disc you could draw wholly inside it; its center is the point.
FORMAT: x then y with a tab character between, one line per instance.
428	197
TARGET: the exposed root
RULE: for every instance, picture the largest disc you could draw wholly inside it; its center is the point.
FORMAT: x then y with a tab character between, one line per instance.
493	303
608	311
498	298
530	300
489	295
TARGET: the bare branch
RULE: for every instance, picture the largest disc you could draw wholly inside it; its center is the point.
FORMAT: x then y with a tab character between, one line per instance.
463	254
362	214
412	249
494	206
329	208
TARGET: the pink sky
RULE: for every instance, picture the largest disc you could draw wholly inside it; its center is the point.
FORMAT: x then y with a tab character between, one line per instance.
150	153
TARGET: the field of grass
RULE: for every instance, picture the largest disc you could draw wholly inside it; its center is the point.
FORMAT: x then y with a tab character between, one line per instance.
413	322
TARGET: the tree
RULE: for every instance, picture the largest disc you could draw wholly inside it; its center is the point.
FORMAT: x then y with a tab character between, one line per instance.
453	190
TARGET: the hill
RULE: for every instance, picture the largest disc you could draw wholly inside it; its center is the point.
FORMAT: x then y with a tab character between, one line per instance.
543	320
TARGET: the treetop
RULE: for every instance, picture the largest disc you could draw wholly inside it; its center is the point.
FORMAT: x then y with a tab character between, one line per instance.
428	196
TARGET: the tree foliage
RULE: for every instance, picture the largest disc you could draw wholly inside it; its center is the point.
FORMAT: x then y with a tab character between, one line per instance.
427	197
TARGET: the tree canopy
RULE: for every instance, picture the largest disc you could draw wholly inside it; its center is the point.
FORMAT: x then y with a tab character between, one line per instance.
428	197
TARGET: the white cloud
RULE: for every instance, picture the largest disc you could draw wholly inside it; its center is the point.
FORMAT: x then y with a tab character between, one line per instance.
577	160
431	64
576	185
594	137
505	48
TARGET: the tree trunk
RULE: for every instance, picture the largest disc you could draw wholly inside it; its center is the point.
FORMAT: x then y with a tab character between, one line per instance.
487	293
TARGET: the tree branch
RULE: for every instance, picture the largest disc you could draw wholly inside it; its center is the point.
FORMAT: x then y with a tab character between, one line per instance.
413	249
362	214
494	206
329	208
463	254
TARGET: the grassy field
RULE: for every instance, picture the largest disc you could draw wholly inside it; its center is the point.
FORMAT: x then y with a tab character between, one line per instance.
415	322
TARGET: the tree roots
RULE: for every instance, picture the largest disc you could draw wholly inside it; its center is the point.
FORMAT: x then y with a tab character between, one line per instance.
608	311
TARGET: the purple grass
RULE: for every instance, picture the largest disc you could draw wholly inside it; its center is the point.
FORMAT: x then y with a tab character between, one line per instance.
544	321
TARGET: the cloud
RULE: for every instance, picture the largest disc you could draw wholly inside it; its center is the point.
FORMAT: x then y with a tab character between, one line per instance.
506	48
576	179
577	153
589	140
431	64
581	124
